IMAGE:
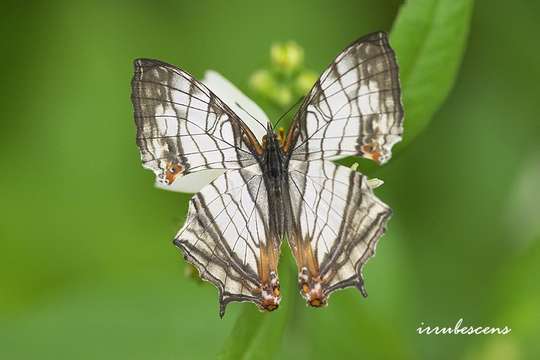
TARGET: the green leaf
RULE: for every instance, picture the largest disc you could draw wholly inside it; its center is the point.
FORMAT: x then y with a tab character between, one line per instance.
429	37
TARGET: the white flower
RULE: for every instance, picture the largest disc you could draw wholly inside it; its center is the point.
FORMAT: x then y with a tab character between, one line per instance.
240	104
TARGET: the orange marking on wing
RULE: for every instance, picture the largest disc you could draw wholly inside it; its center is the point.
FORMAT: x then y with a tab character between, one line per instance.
309	278
172	171
269	306
371	151
314	295
252	140
291	137
306	258
267	268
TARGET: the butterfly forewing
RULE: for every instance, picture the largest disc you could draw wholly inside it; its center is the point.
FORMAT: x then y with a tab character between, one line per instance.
182	127
354	108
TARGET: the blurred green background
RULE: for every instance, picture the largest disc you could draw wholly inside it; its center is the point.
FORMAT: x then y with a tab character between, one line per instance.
87	268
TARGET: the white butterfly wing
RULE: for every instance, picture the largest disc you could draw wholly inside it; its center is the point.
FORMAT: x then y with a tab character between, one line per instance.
227	237
182	127
354	108
240	104
333	219
335	225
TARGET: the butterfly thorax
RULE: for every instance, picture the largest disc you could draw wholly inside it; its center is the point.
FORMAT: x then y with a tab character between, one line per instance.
273	165
273	158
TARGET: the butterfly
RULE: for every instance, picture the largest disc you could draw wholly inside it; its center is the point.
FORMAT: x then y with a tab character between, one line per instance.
272	186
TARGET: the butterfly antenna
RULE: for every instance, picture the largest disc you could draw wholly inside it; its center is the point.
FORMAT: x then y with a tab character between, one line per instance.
251	116
288	111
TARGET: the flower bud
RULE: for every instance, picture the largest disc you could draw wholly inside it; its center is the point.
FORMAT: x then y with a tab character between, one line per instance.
287	57
262	81
305	81
283	96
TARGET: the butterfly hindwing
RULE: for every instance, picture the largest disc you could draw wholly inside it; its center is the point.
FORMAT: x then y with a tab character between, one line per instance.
335	224
228	239
354	108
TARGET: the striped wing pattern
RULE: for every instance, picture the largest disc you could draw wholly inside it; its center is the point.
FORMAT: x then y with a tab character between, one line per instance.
354	108
235	224
182	127
228	239
335	225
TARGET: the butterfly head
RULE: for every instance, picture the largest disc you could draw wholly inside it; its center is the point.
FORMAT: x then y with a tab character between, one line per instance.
268	141
270	138
311	288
